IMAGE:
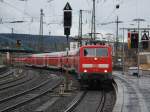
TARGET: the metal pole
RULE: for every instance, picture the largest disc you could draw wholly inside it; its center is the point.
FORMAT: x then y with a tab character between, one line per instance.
138	47
116	39
41	30
41	22
80	27
81	30
94	19
12	30
67	66
123	56
67	36
93	28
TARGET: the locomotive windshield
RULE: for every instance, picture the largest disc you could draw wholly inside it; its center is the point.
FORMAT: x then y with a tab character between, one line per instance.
96	52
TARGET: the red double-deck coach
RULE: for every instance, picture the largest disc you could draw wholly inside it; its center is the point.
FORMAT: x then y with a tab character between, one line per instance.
91	62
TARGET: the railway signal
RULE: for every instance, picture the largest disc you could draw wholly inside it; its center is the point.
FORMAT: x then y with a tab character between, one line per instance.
67	19
129	39
18	43
134	40
145	40
67	25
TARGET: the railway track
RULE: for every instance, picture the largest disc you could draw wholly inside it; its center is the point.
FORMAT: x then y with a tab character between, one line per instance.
18	81
3	70
6	74
32	79
93	101
20	99
86	101
11	77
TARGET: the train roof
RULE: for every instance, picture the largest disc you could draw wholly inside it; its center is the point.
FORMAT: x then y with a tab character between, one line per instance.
47	54
56	54
64	53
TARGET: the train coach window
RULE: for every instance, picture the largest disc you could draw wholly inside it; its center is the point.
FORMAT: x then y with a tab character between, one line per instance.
98	52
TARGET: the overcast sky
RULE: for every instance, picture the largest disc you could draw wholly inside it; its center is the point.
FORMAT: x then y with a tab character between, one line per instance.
29	11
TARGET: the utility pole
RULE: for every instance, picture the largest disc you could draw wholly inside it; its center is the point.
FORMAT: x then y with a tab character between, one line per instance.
41	22
80	28
94	19
12	30
117	39
41	30
138	20
93	27
123	55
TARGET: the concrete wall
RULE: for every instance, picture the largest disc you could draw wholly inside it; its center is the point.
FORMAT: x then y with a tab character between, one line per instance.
148	59
145	58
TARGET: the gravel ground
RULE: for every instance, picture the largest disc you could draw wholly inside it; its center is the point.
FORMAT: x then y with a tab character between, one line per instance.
18	89
110	100
3	69
59	105
62	103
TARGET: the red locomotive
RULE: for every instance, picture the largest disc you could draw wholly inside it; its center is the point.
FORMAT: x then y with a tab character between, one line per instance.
91	62
95	63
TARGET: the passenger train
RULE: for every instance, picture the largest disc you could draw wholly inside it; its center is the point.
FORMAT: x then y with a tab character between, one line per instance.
90	62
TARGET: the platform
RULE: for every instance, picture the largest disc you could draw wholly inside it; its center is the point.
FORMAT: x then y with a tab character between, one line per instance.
133	94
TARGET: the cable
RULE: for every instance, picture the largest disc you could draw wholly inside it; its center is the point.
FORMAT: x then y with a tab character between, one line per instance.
113	11
17	9
88	3
8	27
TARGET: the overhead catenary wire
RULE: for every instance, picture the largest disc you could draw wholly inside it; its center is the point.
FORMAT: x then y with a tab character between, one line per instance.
9	28
27	17
88	2
25	5
115	2
17	9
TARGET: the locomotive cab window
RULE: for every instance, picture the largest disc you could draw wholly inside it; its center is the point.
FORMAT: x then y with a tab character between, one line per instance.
102	52
95	52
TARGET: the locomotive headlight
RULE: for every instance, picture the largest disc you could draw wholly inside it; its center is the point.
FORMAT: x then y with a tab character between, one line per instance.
105	71
95	59
85	71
